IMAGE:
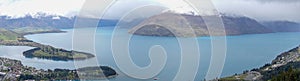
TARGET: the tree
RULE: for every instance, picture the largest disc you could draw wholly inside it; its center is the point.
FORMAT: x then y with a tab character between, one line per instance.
289	75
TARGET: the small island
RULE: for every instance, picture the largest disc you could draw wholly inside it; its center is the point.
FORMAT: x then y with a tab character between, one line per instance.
15	37
14	70
56	54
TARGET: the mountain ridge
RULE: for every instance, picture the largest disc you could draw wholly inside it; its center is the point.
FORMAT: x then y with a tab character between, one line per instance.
46	21
166	24
282	26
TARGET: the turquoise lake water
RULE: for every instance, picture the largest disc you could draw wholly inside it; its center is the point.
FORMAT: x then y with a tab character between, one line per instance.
244	52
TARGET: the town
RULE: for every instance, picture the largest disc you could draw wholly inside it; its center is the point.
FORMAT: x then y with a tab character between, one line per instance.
14	70
11	69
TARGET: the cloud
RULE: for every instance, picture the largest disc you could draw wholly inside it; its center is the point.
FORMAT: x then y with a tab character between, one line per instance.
267	11
22	7
148	7
261	10
277	1
121	7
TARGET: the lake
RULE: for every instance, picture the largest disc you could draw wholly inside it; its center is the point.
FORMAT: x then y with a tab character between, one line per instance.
244	52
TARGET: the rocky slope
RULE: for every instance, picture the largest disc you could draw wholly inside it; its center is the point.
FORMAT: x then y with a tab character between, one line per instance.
166	24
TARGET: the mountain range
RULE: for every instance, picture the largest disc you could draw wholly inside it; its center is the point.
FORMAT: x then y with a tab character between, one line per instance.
282	26
164	24
169	24
53	21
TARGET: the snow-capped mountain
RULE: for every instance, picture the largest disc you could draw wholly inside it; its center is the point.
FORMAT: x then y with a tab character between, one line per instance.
182	10
46	20
188	10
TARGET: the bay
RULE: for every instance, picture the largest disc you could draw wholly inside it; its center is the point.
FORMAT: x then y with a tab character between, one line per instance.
244	52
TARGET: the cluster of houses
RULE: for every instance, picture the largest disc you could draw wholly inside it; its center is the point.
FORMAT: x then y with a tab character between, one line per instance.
285	58
6	66
12	69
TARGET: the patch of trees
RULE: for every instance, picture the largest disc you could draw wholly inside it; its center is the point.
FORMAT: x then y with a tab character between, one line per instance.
290	75
57	74
65	74
107	71
283	70
49	52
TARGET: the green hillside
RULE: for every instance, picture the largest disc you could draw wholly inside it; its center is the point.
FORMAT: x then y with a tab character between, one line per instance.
14	37
35	30
7	35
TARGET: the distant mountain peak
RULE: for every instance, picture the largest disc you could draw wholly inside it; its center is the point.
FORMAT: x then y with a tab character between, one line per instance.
37	15
192	12
49	20
56	18
182	10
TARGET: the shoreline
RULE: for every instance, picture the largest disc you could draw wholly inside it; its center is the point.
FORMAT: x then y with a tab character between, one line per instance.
15	70
271	69
42	51
43	32
213	35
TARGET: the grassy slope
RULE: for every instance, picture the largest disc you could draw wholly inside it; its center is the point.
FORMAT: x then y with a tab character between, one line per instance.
7	35
15	37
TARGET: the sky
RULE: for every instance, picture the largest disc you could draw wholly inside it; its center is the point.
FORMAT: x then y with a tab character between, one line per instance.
21	7
262	10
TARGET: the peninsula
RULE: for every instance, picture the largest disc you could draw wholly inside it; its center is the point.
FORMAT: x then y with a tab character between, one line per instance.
15	37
